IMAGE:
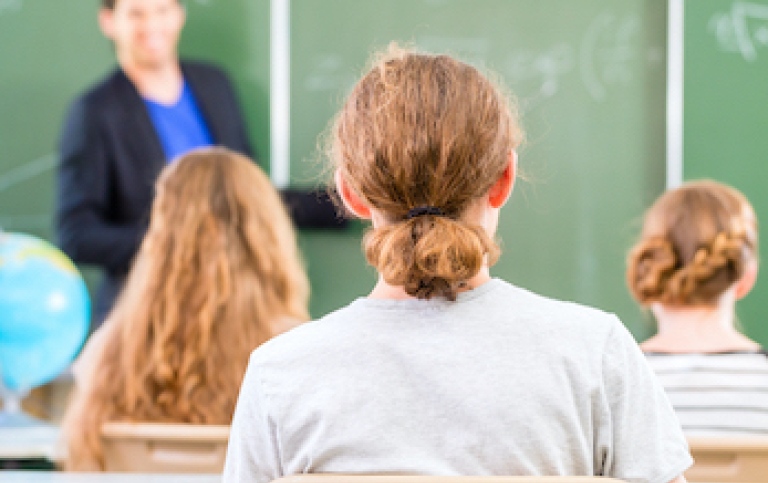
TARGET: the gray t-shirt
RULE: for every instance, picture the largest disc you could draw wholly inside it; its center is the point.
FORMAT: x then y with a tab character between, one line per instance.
500	382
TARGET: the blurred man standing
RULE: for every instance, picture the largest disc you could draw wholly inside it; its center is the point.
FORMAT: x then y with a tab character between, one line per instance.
119	134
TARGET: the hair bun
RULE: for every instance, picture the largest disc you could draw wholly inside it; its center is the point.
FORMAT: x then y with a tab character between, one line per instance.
429	255
656	274
711	230
651	264
712	270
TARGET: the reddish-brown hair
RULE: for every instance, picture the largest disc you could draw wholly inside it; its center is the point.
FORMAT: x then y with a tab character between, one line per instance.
696	242
424	130
217	274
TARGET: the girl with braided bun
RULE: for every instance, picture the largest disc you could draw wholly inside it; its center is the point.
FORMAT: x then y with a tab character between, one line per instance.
443	369
696	257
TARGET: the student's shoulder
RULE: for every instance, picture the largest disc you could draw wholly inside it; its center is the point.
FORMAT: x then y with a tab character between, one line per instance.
558	318
314	337
535	303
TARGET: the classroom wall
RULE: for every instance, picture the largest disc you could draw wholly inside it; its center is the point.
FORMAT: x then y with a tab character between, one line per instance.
590	80
589	76
725	121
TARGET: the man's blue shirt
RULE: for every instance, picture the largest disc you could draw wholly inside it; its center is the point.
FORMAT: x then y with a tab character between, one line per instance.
180	126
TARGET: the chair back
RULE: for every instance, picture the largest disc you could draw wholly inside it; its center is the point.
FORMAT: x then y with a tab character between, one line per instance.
729	460
164	448
329	478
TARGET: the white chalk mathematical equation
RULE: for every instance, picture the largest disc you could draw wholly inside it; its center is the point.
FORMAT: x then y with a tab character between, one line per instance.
742	30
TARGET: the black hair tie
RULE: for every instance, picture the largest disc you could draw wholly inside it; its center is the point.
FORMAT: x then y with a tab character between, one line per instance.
424	210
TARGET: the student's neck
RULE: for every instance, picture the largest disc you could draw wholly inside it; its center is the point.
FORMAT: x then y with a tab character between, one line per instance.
384	290
697	330
162	83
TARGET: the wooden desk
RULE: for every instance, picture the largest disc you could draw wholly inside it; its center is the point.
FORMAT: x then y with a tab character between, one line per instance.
59	477
732	459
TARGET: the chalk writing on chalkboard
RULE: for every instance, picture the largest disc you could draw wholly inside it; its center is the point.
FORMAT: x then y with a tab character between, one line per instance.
742	30
604	58
10	6
539	74
26	171
607	55
16	176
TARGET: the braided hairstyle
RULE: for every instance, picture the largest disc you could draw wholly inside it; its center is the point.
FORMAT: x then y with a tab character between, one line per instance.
427	132
697	241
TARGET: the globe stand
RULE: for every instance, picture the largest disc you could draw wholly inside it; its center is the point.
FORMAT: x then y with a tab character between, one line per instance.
45	312
12	415
25	442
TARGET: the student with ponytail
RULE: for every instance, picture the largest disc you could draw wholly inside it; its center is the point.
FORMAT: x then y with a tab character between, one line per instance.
443	369
696	257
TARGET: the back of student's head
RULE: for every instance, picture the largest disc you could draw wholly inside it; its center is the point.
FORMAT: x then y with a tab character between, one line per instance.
430	133
217	274
219	228
697	241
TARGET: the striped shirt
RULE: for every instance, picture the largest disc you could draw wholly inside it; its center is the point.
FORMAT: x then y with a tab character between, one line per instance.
719	394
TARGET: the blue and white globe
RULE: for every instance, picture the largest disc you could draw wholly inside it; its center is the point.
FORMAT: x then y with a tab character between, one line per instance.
44	311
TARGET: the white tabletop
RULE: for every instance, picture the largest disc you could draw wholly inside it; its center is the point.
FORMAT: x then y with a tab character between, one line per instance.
40	441
64	477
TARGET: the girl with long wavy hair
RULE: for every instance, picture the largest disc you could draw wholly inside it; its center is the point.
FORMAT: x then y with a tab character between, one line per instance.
696	258
218	273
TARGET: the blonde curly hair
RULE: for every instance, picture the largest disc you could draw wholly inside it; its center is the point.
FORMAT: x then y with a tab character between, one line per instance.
217	274
697	241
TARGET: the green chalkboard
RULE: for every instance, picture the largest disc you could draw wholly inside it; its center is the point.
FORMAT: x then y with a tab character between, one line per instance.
725	115
51	50
590	76
44	62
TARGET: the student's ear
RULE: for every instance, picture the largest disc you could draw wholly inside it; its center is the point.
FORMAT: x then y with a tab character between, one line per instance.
351	200
107	22
502	188
747	281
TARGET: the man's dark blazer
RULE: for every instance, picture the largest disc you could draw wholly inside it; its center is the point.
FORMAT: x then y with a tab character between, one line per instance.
110	157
